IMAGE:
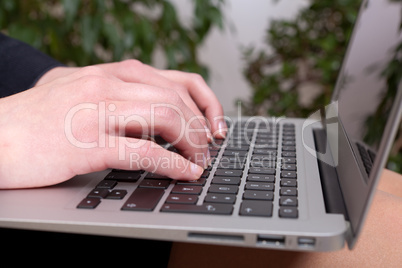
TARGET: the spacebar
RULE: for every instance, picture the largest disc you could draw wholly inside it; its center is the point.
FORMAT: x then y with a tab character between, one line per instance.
143	199
224	209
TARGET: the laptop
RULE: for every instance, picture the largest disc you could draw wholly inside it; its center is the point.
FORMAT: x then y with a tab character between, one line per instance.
275	183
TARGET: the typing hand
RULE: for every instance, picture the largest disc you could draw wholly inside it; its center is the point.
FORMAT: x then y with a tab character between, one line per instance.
81	120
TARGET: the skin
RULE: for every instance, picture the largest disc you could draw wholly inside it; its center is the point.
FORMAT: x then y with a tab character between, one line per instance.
81	120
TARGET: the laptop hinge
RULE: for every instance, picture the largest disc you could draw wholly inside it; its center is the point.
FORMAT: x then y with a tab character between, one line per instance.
333	197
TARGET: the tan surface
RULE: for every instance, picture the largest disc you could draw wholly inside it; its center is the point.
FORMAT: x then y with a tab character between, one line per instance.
380	244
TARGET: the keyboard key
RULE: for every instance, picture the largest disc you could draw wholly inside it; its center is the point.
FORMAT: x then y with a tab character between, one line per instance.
263	141
289	126
290	201
288	212
107	184
261	186
217	142
228	165
268	146
123	176
207	208
155	176
232	159
148	183
182	199
98	193
288	154
265	152
186	189
116	194
289	160
288	143
288	174
89	203
289	148
263	164
288	138
143	199
268	171
205	174
220	198
291	167
235	153
238	141
289	182
258	195
288	191
256	208
226	180
223	189
237	147
261	178
228	173
199	182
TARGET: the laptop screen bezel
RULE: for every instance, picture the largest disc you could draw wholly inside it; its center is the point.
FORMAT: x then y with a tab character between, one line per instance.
350	169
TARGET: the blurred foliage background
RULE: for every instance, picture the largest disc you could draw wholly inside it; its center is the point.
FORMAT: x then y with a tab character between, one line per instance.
302	58
84	32
296	73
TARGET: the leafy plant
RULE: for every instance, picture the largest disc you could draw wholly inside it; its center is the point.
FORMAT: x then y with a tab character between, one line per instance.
306	52
84	32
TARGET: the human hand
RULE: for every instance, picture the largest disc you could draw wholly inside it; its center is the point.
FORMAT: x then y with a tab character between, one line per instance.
86	121
191	88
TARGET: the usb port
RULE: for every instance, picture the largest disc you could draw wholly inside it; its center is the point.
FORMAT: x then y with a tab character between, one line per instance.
272	240
306	242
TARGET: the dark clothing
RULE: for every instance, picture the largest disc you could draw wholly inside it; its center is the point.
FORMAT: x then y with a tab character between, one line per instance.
21	66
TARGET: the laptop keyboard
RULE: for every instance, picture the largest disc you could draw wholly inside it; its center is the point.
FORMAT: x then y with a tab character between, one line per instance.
367	157
247	167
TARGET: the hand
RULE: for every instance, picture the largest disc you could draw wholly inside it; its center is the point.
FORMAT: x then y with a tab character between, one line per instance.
191	88
88	120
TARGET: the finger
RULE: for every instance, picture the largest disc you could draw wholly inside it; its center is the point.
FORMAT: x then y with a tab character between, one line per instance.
135	154
135	71
203	97
141	120
149	100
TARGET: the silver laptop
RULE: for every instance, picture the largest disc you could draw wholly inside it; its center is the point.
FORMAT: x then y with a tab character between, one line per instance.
281	183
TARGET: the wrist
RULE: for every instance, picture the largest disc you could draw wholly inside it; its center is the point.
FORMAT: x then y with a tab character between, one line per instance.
55	73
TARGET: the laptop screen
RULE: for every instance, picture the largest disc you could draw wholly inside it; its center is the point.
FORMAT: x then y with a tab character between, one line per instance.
365	93
366	87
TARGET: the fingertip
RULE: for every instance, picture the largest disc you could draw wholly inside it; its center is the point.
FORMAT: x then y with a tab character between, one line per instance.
208	133
221	131
196	171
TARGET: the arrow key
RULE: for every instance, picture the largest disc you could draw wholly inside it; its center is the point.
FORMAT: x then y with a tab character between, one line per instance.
256	208
288	201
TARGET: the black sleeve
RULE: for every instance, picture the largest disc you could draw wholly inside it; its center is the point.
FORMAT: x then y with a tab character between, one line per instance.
21	66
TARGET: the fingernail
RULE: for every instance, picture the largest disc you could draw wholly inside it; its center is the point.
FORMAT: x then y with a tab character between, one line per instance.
222	128
196	170
205	159
208	159
209	134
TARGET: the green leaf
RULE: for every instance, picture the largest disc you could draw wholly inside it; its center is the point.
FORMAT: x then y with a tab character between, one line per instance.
70	11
